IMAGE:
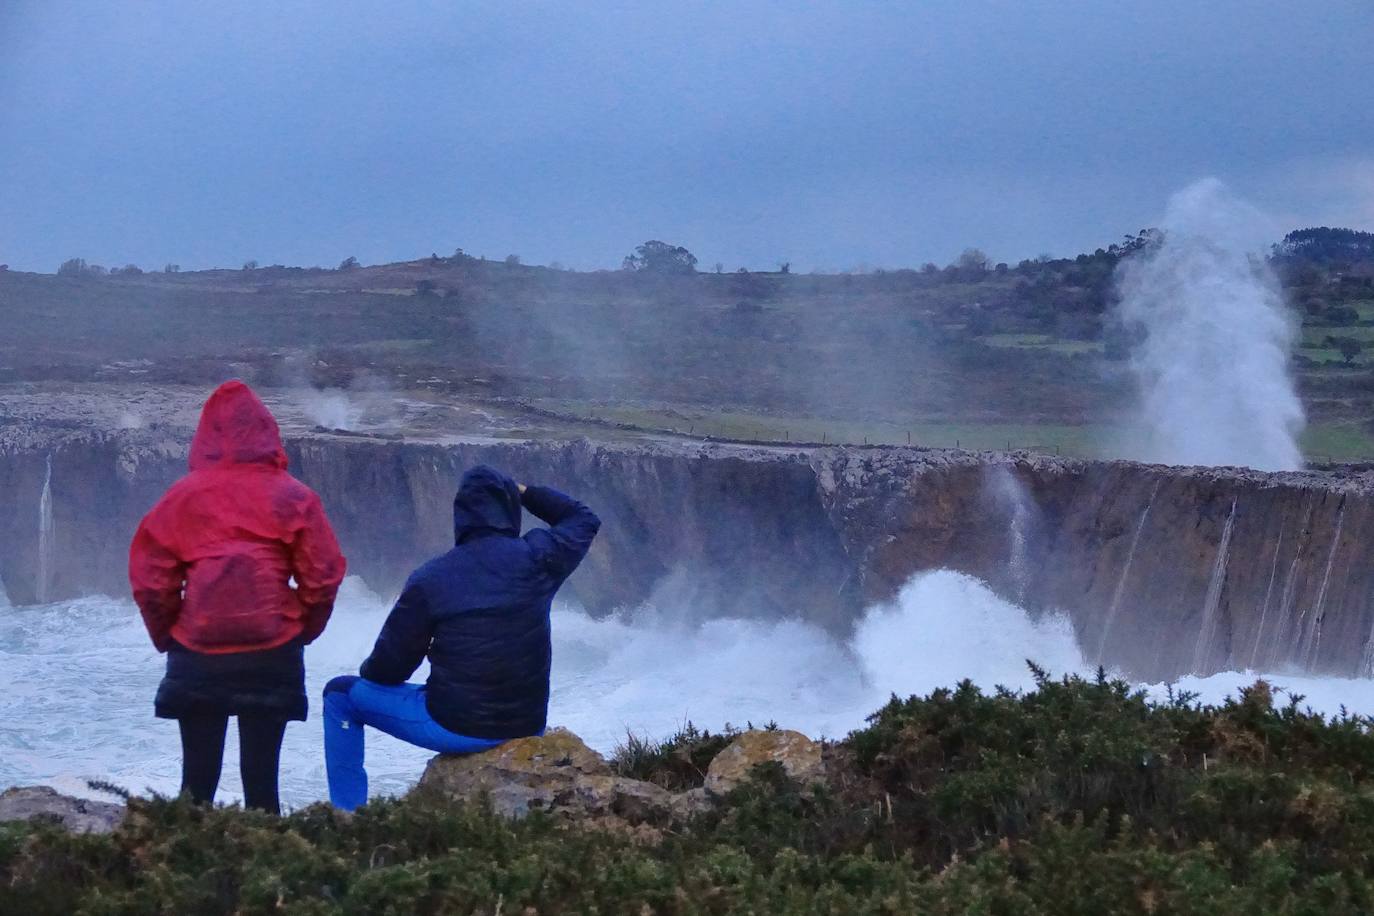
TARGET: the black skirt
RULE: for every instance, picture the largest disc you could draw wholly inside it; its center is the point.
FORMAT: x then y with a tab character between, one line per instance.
270	682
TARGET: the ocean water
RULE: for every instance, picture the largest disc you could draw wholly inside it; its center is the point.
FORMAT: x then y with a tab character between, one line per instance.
78	680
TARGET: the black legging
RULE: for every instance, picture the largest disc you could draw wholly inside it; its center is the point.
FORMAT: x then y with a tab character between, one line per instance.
202	755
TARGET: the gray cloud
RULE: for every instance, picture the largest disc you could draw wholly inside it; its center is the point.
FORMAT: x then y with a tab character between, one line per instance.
834	134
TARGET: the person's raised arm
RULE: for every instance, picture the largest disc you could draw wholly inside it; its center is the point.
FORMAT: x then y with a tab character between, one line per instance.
318	567
404	640
572	526
156	575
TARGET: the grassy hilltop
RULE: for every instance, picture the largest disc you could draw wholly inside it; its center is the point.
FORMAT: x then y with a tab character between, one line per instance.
976	353
1079	797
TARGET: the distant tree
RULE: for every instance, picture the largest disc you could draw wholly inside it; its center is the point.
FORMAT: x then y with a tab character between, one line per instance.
73	267
425	288
128	270
1144	239
1342	316
1324	244
556	265
1350	348
972	262
512	260
250	265
349	263
171	268
785	267
1116	343
930	267
4	267
660	257
720	268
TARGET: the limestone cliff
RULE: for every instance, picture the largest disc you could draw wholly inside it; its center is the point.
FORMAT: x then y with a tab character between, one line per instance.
1134	553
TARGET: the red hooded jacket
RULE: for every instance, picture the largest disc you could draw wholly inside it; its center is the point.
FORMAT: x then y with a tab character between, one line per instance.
210	564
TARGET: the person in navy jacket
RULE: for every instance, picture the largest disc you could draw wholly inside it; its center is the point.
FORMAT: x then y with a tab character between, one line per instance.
480	612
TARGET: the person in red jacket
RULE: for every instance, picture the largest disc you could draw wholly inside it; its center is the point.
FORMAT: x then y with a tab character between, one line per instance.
211	568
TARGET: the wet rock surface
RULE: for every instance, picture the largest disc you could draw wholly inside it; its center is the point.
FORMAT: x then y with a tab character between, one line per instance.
79	815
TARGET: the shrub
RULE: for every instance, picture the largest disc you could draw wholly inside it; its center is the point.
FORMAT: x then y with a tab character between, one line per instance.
1080	796
679	762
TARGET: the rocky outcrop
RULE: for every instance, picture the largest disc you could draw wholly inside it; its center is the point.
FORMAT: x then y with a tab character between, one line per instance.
799	756
79	815
556	773
559	775
1163	571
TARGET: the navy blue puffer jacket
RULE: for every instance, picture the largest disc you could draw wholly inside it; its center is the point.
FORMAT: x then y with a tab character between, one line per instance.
481	611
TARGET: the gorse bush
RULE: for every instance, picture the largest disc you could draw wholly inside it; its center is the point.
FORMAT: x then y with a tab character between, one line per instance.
676	763
1079	797
963	770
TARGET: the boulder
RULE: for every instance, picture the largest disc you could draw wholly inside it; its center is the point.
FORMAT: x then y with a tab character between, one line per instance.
79	815
687	805
799	755
556	773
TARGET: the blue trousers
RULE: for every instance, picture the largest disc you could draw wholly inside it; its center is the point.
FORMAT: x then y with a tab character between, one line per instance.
352	702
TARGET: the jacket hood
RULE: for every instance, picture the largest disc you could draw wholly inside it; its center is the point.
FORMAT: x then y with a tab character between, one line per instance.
236	428
488	502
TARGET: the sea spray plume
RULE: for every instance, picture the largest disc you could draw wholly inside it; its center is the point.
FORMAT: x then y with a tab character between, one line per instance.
1211	604
1109	619
1215	339
1012	497
368	401
45	537
331	408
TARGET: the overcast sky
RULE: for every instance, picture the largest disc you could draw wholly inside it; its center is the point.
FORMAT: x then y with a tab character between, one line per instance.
832	135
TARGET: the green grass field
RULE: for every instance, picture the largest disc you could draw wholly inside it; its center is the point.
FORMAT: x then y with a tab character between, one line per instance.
1044	342
1337	442
1314	344
1321	442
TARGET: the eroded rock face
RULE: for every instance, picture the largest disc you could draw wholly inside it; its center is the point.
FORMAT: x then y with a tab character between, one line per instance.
799	755
556	773
1132	553
1163	571
79	815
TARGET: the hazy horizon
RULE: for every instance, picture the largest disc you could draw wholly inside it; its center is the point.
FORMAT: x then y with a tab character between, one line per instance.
833	137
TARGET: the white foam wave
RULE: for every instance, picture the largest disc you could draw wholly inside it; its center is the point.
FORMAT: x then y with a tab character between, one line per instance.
79	679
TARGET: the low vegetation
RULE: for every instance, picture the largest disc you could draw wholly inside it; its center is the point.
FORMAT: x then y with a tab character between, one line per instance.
1079	797
874	353
676	763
